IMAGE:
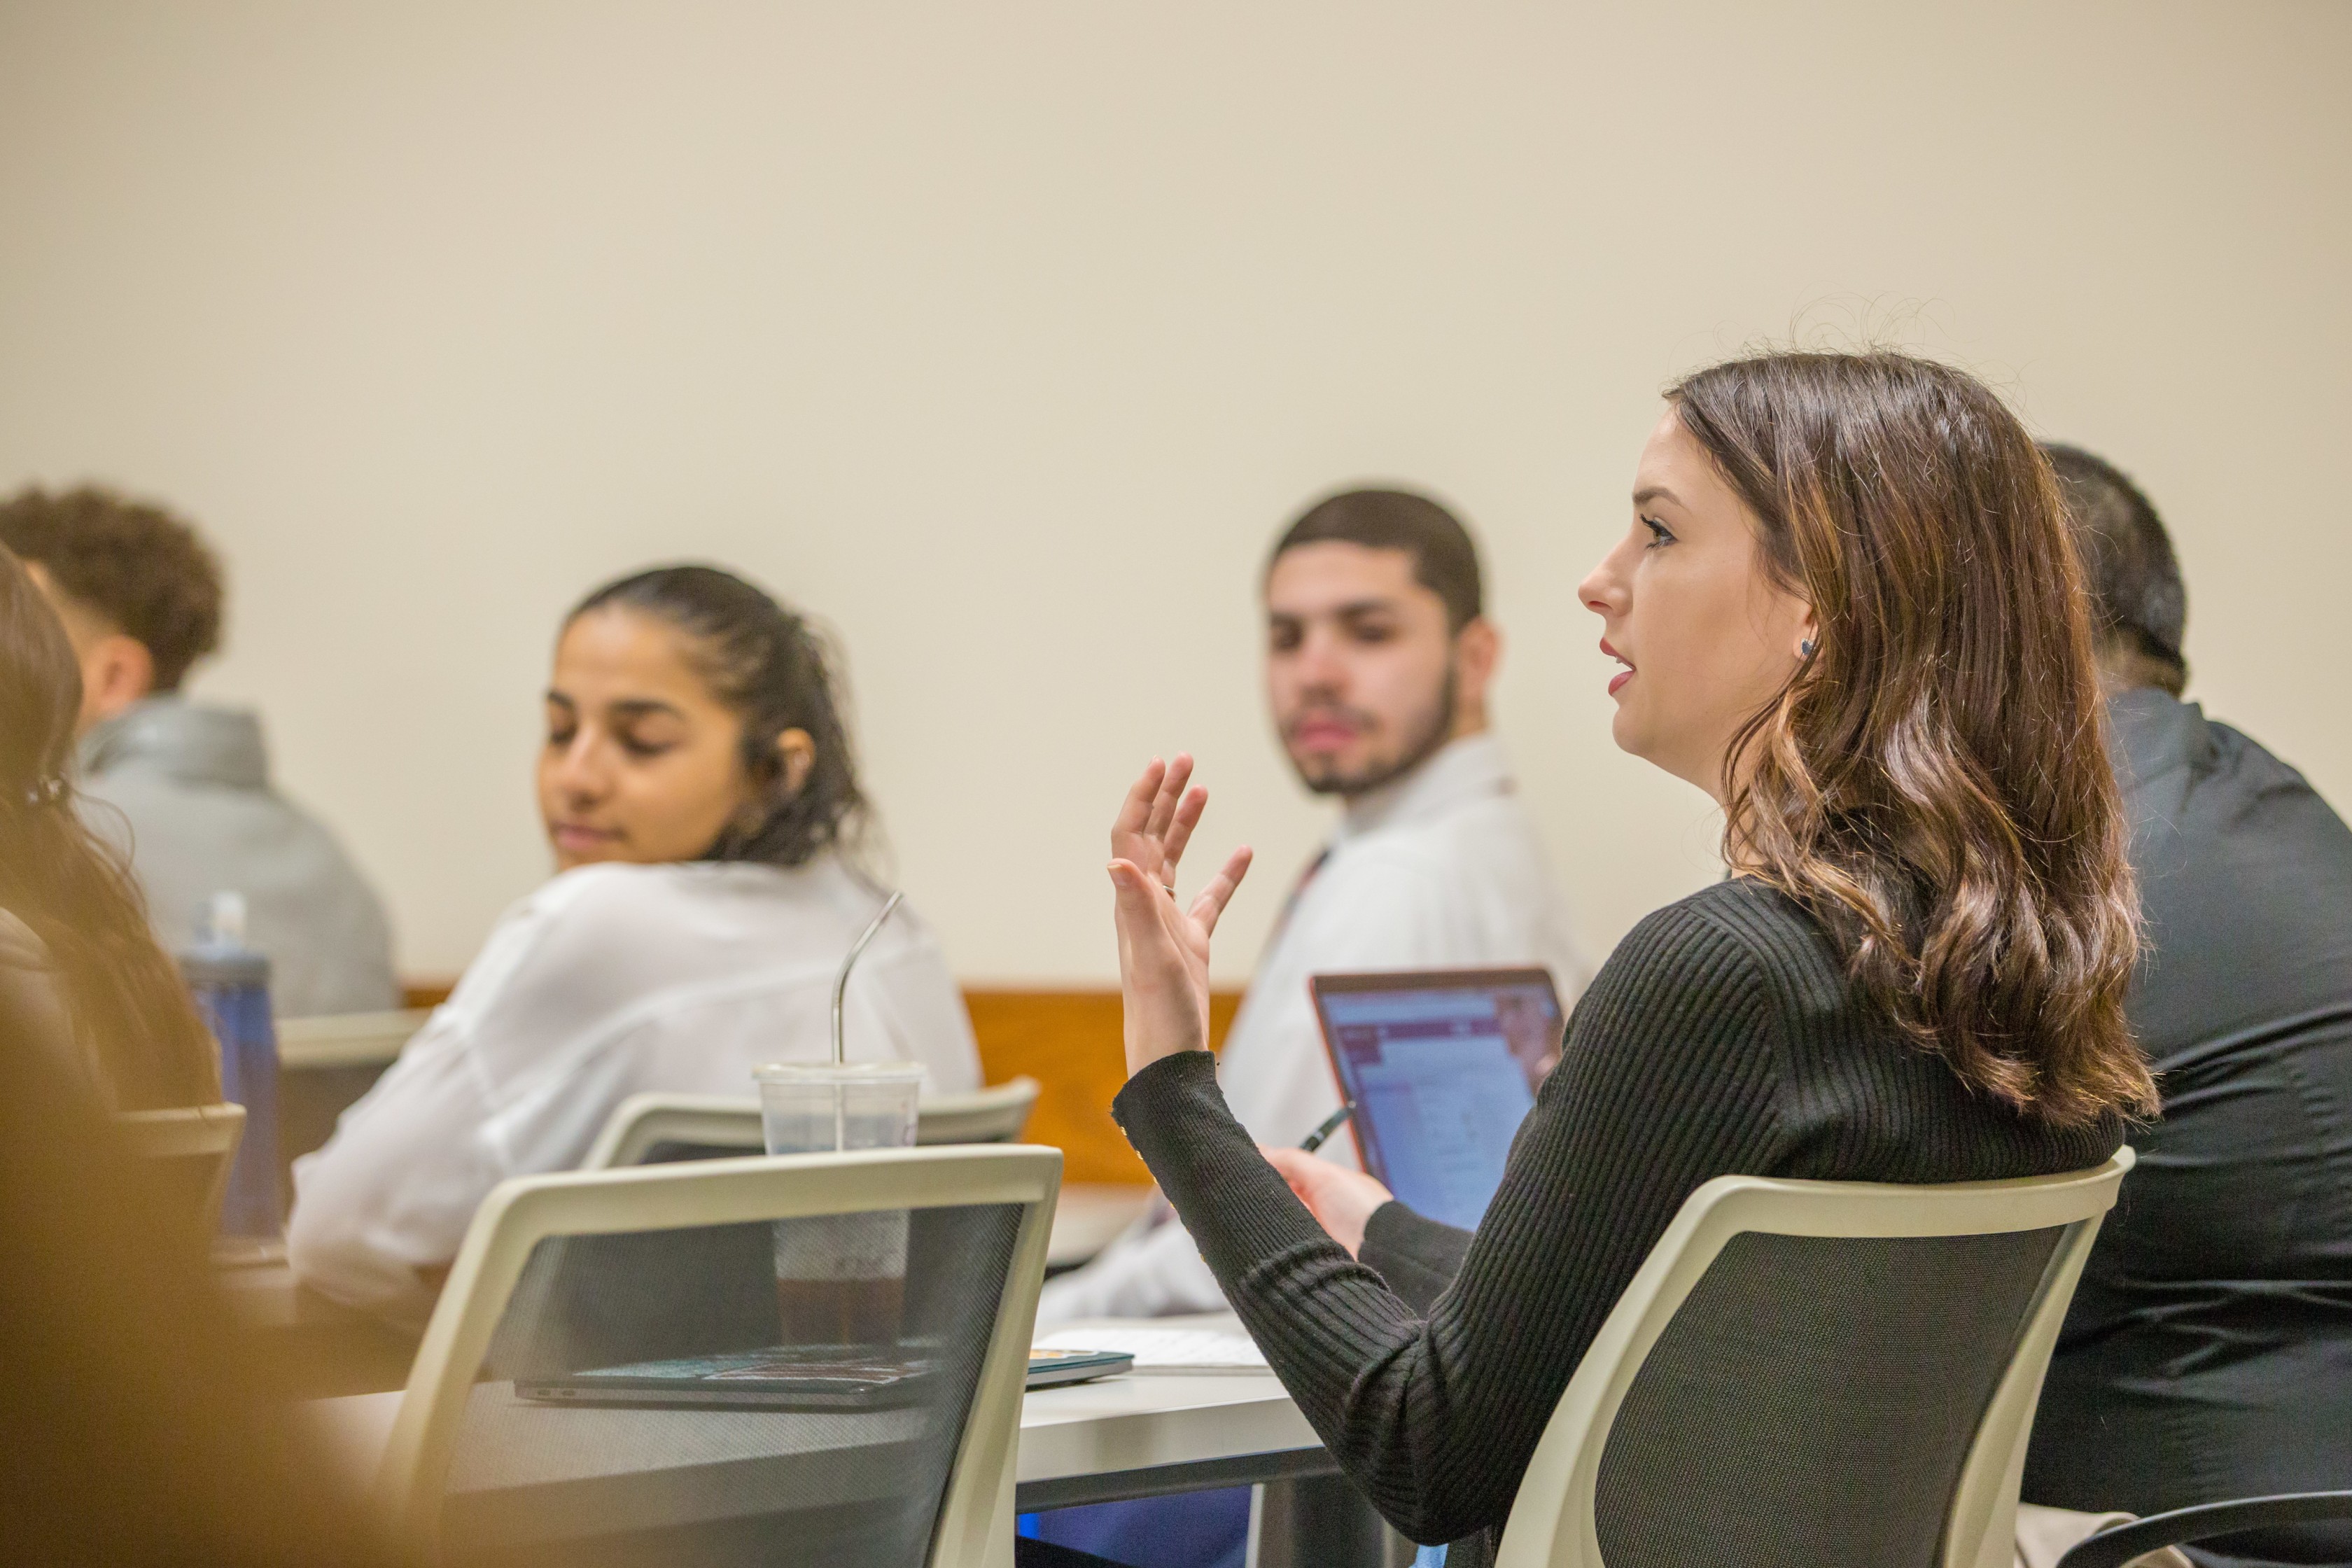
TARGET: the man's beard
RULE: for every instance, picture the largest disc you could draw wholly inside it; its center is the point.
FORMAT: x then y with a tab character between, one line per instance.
1424	745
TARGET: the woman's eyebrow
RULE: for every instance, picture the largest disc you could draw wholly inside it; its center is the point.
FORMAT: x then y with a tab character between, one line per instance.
639	707
1645	496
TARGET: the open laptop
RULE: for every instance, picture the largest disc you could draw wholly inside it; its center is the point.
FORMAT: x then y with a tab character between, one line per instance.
1441	1066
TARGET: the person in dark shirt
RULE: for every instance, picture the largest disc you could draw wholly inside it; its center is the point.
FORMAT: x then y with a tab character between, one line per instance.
2209	1351
1847	607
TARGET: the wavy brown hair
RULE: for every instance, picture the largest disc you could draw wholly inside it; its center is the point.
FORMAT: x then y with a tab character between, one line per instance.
76	893
1933	782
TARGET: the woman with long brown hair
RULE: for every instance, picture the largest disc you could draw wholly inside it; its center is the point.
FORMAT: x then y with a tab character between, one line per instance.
1846	608
75	944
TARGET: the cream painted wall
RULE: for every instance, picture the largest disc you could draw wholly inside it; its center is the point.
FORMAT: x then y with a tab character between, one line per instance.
1006	335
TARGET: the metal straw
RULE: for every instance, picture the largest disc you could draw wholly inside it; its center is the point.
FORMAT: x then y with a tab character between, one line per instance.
841	981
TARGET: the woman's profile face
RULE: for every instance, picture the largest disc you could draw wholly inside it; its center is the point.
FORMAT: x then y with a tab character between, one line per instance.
1704	635
642	762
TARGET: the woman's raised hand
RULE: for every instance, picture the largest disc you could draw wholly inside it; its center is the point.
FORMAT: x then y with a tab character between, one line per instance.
1163	946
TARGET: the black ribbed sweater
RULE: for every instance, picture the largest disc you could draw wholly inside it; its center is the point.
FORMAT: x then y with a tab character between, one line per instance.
1720	1038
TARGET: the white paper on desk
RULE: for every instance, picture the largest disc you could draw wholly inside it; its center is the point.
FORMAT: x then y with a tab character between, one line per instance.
1165	1350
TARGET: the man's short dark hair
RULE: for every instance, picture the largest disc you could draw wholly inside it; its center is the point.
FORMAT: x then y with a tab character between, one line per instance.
2137	600
1444	557
134	564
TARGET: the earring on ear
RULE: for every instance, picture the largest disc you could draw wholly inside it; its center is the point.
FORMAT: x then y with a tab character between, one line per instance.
1805	648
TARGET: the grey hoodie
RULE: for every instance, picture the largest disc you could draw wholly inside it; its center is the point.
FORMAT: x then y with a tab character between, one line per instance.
184	787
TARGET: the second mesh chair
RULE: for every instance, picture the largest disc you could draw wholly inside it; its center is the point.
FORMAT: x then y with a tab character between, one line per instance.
1811	1372
812	1359
656	1129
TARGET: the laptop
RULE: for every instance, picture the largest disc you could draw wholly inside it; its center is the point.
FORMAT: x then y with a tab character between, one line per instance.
1441	1067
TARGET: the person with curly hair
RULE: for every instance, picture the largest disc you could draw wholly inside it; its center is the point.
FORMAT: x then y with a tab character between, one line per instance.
184	787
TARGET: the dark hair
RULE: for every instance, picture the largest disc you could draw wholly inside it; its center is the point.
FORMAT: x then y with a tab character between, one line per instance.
773	669
73	889
2137	600
1444	557
1932	782
135	564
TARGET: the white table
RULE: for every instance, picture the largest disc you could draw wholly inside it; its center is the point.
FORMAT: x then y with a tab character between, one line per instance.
1137	1435
330	1349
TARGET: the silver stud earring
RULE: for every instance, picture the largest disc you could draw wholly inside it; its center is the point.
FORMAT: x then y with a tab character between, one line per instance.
1805	648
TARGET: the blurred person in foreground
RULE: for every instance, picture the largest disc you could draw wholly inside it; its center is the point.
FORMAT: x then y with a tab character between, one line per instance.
1379	659
2207	1354
188	782
696	786
138	1424
75	947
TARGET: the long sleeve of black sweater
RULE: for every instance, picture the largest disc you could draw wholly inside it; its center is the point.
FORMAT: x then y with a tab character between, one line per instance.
1720	1038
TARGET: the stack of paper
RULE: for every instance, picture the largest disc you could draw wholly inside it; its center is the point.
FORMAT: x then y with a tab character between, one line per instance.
1164	1349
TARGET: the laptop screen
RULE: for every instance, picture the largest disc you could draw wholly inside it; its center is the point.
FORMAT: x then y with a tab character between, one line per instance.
1442	1066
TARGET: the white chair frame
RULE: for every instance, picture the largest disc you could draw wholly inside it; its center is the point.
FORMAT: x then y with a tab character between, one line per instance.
347	1040
993	1115
1551	1524
974	1529
191	1132
644	1121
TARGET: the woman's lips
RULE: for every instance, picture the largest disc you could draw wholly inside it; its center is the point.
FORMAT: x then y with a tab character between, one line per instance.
573	836
1622	676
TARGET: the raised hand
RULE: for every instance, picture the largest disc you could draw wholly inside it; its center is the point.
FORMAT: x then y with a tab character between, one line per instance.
1163	946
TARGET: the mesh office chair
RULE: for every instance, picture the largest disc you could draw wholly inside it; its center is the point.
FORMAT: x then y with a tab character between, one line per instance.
655	1129
929	1264
1815	1373
659	1129
194	1148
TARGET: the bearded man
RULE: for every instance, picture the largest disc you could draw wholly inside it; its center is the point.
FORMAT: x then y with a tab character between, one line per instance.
1378	658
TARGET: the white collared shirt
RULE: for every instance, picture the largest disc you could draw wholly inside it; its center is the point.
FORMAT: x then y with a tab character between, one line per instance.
608	981
1439	869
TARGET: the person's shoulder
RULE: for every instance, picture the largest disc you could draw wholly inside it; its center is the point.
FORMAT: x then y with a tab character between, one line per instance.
684	904
2258	769
583	943
1692	1009
22	949
1739	941
1476	841
613	896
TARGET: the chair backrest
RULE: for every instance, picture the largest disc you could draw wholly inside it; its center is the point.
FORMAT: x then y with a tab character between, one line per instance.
195	1145
347	1040
993	1115
1815	1372
659	1129
656	1129
925	1260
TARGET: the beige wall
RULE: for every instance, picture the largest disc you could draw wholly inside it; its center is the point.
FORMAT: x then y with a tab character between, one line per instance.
1005	335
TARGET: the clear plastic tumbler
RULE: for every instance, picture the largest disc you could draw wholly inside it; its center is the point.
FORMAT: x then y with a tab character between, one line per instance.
840	1278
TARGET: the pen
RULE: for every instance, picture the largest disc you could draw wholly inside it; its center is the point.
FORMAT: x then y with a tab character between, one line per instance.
1331	1123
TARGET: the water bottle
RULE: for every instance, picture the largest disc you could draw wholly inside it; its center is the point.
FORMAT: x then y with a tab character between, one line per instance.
230	983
